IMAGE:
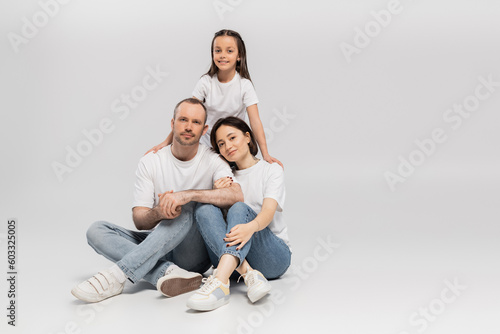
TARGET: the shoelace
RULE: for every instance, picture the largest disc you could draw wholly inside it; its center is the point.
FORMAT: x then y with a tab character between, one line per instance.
249	278
209	284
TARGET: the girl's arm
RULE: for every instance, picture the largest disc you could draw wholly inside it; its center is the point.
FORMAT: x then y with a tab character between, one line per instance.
241	233
260	136
164	143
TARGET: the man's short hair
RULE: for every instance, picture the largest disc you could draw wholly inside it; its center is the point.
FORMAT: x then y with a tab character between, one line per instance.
191	100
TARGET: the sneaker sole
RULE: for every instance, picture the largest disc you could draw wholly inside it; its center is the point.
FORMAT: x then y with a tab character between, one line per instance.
178	285
207	307
257	295
83	296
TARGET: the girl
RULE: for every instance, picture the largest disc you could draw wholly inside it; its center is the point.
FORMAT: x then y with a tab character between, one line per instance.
253	239
227	90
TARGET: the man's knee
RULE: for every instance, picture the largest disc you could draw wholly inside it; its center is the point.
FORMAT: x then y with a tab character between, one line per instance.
95	232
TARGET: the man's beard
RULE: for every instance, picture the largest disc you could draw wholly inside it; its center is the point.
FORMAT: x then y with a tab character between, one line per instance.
192	141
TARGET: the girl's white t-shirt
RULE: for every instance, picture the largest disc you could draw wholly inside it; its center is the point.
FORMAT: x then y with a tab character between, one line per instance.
224	99
265	180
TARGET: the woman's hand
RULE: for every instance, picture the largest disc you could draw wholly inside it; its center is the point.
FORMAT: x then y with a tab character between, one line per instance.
241	233
270	159
223	182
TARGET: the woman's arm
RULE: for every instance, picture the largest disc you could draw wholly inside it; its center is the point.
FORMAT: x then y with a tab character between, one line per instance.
260	136
241	233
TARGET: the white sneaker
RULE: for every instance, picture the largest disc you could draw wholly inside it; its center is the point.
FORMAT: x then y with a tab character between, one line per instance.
177	281
211	295
257	285
99	287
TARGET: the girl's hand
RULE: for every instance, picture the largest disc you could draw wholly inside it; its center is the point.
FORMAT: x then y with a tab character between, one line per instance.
157	147
270	159
241	233
223	182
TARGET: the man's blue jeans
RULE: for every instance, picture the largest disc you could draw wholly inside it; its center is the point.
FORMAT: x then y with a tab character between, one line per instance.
264	251
148	254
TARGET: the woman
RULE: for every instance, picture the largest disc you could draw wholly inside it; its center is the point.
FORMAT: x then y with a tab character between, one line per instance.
253	238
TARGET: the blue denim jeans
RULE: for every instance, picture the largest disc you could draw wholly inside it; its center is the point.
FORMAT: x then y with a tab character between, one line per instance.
264	251
147	254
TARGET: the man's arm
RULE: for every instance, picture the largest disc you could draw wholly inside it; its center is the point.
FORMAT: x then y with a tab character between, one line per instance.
147	218
170	204
223	198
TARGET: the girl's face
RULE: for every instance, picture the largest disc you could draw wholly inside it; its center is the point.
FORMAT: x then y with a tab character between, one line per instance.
225	54
232	143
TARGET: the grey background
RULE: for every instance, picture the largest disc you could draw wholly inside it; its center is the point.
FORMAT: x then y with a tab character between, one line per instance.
348	123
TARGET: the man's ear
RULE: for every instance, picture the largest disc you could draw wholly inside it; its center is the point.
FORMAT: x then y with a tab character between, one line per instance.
205	129
172	124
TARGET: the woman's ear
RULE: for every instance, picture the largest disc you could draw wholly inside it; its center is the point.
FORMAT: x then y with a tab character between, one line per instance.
247	134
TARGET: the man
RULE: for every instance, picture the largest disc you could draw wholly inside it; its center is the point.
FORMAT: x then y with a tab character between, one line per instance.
168	185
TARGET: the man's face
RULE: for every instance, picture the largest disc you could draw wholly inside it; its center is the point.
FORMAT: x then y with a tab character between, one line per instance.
188	127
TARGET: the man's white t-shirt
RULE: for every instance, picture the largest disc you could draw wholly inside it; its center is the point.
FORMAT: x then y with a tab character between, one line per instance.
161	171
224	99
265	180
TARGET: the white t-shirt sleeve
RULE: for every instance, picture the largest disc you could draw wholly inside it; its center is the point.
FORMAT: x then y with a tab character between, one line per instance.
144	191
248	93
275	185
222	169
201	89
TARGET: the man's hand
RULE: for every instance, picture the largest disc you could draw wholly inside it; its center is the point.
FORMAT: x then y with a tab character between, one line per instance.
223	182
170	204
241	233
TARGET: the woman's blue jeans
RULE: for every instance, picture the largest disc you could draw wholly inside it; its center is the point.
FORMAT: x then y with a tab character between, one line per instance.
264	251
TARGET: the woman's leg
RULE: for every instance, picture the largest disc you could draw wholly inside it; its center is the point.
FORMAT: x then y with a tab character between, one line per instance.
231	258
212	227
269	254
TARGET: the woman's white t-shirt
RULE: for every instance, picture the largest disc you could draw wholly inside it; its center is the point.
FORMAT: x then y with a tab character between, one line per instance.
224	99
265	180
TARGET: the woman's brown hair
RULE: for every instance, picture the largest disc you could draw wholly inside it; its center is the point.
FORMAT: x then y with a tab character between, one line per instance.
236	123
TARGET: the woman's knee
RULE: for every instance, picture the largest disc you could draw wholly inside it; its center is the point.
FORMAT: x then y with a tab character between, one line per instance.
237	209
205	211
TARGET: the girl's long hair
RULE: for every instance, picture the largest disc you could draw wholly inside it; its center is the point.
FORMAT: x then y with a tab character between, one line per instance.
241	66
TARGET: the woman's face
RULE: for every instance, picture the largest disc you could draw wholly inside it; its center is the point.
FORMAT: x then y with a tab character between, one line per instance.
232	143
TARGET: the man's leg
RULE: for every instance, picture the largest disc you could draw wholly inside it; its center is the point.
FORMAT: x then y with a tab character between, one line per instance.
191	254
136	253
167	235
113	241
